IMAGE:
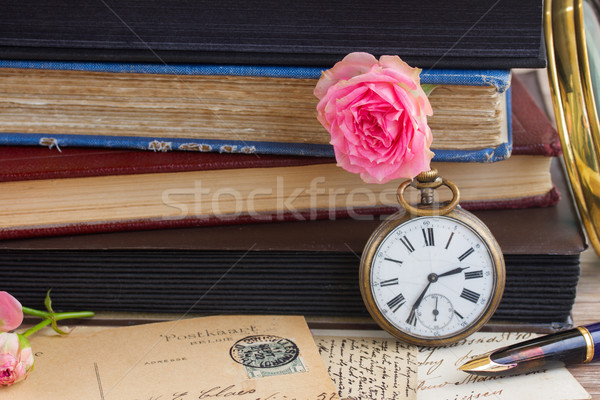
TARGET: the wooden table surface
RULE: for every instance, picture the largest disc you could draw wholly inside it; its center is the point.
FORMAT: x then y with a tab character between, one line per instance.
587	310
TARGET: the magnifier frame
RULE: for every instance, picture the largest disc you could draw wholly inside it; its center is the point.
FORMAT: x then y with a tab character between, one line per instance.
574	107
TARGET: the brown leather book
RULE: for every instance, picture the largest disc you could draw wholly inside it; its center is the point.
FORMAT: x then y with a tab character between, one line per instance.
308	268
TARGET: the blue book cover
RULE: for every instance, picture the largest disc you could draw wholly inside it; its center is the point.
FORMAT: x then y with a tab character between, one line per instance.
499	79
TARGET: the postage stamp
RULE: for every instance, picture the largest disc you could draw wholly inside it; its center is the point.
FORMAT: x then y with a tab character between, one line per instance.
267	355
294	367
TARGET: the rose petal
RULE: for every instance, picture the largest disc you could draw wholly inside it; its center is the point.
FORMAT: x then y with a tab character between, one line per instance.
11	312
400	70
16	358
353	64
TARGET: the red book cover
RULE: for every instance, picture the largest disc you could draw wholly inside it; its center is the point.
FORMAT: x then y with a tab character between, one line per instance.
19	163
533	132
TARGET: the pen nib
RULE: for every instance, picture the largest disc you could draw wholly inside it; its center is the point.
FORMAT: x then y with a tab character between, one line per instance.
483	365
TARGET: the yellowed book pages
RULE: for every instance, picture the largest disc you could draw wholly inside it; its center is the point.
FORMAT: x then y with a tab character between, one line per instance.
199	107
261	193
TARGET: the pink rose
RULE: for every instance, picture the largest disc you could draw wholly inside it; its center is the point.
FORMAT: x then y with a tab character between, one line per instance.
16	358
376	113
11	312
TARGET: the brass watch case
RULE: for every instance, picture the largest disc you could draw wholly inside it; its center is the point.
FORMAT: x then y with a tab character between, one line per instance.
461	216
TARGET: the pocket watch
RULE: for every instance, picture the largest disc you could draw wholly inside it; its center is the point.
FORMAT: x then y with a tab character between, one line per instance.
432	274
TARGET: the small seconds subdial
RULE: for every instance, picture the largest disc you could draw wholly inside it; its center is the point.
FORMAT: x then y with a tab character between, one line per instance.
435	312
432	277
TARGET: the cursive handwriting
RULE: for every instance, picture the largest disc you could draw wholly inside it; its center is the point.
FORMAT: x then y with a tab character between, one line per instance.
440	378
501	337
232	392
370	368
430	362
478	395
229	391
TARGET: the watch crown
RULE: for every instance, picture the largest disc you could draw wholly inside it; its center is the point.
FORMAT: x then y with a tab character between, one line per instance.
428	176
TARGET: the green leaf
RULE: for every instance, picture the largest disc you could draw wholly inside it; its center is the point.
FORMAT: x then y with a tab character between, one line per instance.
428	88
48	302
57	329
23	342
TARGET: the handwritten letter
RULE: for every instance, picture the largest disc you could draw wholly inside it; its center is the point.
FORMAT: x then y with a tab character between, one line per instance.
370	368
440	378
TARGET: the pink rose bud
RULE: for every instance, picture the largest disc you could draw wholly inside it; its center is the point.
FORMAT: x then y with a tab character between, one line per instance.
376	113
16	358
11	312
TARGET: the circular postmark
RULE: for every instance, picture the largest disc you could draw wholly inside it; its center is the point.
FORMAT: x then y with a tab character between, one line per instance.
264	351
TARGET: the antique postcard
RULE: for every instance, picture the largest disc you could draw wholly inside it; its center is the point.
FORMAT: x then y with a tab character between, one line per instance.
233	357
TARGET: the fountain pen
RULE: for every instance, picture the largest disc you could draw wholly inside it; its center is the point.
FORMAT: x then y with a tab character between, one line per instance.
573	346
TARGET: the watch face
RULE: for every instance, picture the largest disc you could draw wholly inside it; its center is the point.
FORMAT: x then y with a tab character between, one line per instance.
433	278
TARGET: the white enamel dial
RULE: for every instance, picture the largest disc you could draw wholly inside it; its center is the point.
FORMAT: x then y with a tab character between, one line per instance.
432	277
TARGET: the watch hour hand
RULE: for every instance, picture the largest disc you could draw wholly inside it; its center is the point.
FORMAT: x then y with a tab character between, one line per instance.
433	277
453	271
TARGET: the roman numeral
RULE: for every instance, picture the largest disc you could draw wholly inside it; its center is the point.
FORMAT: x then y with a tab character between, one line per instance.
474	274
407	243
428	236
466	254
458	315
470	295
449	240
392	260
389	282
412	318
397	302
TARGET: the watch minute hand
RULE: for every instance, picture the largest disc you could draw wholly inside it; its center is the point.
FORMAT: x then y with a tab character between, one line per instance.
418	302
420	298
412	318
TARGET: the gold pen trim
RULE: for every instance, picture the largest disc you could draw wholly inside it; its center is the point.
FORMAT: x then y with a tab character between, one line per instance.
484	365
589	343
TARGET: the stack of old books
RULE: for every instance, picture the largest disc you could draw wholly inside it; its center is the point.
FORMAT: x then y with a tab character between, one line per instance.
233	202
